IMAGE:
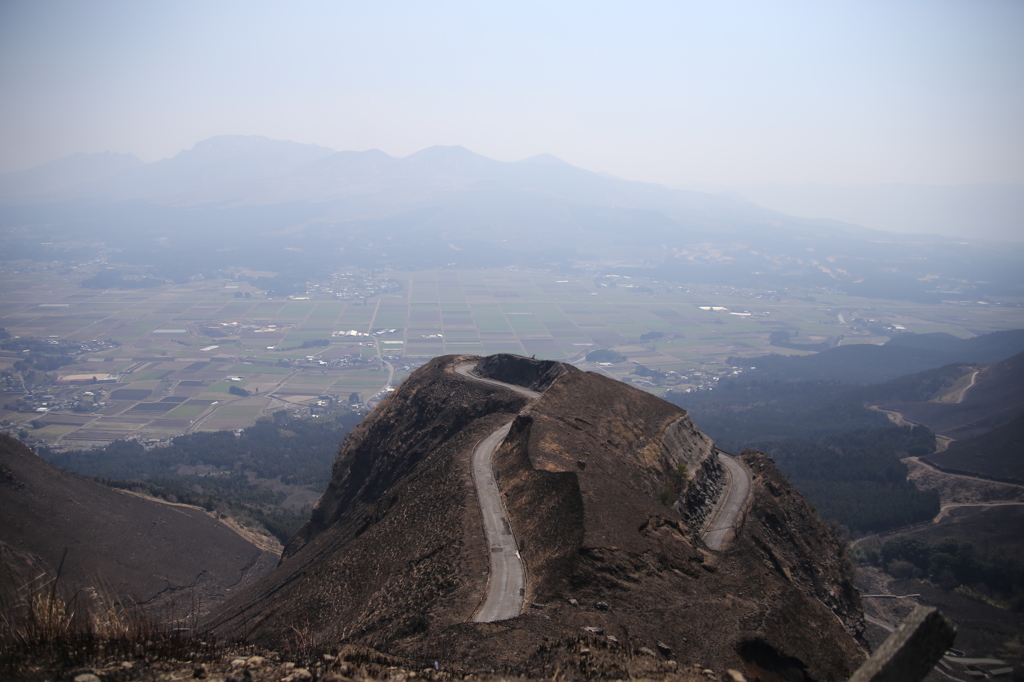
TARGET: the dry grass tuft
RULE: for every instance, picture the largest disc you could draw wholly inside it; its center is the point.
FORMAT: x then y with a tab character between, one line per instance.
43	625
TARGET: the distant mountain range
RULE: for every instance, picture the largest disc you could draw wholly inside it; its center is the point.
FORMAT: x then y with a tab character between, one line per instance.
236	200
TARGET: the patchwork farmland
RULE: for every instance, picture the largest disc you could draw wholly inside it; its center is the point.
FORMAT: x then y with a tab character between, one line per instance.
218	354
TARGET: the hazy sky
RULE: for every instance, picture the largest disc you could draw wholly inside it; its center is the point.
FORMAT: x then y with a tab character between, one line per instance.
864	91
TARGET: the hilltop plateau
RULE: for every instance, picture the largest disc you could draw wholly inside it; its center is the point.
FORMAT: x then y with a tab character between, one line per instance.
609	493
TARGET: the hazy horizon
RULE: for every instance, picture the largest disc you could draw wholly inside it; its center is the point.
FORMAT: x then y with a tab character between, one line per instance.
988	211
744	93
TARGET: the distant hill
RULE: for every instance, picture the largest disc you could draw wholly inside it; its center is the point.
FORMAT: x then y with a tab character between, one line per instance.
902	355
808	397
210	165
998	454
993	398
148	553
58	176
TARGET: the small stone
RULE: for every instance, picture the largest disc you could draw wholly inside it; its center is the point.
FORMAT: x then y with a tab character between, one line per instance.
127	665
299	675
594	631
735	675
707	672
86	677
646	652
584	652
238	663
330	658
613	640
255	661
664	649
573	603
602	606
288	665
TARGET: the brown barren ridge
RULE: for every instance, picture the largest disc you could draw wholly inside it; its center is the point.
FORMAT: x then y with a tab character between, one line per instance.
607	491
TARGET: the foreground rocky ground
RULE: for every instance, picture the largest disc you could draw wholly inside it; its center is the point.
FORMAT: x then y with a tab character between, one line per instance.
583	659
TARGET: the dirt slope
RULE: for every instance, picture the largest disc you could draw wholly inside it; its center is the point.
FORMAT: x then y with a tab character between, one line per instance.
394	556
150	553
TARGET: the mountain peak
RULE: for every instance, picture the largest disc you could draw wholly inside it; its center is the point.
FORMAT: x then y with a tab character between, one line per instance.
443	151
549	159
227	146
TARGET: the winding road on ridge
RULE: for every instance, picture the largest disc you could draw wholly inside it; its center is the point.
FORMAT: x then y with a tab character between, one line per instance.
507	585
730	502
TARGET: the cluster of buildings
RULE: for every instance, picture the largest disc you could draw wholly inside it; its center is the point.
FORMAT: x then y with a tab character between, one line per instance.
41	403
350	286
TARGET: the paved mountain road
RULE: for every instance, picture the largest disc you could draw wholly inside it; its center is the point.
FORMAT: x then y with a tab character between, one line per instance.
507	584
730	503
467	371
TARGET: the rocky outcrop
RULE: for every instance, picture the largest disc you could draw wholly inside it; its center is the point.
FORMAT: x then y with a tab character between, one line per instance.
685	443
702	493
535	375
704	477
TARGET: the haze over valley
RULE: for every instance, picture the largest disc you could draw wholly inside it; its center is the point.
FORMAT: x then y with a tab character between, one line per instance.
680	342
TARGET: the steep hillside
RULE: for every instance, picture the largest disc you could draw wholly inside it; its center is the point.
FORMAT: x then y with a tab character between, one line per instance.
150	553
607	490
992	397
997	454
902	355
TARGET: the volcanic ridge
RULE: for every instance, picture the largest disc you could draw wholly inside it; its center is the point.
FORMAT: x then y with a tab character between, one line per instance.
609	494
